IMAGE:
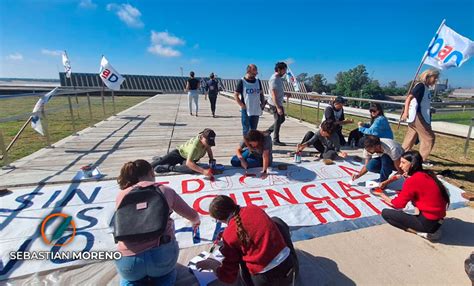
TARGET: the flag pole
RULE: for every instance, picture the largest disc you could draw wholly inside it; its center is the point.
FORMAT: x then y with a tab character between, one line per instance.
425	55
16	136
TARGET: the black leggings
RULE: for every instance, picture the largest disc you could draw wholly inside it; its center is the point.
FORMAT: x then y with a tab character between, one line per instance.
212	100
325	152
402	220
171	161
281	275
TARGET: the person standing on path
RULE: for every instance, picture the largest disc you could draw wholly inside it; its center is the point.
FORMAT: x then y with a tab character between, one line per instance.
276	101
212	89
249	96
192	88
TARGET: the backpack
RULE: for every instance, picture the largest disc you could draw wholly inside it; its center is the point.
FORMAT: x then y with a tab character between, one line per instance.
142	213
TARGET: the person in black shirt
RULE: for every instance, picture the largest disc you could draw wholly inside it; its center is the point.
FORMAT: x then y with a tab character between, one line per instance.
212	89
335	112
192	88
325	140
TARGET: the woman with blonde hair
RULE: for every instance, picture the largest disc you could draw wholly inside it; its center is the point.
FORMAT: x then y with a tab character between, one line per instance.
417	113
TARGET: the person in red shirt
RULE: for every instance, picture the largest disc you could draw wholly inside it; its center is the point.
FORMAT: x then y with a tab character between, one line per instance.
426	192
252	241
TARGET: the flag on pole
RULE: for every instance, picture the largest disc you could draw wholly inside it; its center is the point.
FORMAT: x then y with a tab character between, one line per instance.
36	117
109	75
67	65
449	49
292	79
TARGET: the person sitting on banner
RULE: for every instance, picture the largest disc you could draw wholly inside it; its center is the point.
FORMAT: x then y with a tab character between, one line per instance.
252	241
426	192
417	113
325	140
378	126
188	153
148	258
335	112
382	155
254	151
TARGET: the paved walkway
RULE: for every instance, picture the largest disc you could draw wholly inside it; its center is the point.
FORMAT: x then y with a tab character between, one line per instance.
371	256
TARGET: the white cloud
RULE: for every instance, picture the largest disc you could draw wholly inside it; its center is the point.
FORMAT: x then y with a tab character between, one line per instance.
127	13
164	51
165	38
15	57
87	4
162	44
54	53
289	61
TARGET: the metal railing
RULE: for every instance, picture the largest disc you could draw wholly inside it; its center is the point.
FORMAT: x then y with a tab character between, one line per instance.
44	118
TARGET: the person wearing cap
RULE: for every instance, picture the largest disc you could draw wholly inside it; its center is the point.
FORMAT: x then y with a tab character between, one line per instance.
188	153
335	112
212	89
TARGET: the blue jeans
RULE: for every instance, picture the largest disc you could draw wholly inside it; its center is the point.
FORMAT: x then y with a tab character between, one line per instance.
383	165
252	160
248	122
156	265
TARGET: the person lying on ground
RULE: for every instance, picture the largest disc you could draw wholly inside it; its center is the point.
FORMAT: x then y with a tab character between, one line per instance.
325	140
252	241
188	153
150	259
378	126
254	151
387	159
426	192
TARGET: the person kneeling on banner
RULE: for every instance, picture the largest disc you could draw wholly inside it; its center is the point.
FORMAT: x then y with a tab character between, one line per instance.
254	151
325	140
426	192
252	241
143	227
188	153
382	155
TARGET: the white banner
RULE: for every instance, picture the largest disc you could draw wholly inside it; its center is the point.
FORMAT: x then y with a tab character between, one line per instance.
449	49
292	79
36	117
306	196
67	65
109	75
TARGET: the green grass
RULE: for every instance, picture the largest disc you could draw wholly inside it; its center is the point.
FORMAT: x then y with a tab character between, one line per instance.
458	117
447	154
59	122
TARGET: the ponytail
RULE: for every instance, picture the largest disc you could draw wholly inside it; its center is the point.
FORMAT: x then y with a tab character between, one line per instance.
131	173
223	207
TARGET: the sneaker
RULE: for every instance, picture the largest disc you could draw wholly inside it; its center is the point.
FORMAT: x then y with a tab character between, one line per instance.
427	164
435	236
278	143
162	168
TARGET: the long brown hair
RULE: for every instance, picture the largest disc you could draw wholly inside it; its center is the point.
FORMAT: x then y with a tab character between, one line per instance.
254	136
131	172
221	208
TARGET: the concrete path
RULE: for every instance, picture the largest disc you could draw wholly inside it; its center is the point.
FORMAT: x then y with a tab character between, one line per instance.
379	255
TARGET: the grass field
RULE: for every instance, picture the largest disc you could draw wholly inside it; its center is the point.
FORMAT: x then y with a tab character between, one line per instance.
447	153
59	122
457	117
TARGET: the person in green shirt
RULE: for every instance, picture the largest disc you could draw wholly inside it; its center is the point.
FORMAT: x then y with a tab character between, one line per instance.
187	154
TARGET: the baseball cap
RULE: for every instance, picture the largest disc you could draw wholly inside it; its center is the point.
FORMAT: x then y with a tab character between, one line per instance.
340	99
210	135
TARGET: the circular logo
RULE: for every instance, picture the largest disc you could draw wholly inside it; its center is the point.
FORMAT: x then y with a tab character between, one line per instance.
59	230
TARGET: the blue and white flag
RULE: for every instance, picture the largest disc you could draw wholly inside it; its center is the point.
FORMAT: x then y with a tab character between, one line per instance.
292	79
449	49
36	117
109	75
67	65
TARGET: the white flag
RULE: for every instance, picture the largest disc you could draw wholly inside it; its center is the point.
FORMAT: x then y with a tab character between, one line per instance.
67	65
36	117
109	75
292	79
449	49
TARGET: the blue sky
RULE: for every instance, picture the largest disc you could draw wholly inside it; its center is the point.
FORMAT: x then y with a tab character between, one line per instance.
159	37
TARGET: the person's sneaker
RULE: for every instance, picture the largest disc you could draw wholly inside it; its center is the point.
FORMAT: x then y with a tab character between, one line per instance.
427	164
435	236
162	168
278	143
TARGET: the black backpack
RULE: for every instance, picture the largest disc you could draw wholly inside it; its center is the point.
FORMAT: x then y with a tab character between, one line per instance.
143	213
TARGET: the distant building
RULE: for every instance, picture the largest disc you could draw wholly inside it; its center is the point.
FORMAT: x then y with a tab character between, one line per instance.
465	93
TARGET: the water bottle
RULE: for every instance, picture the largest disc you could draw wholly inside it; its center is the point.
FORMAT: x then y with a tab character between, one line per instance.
298	157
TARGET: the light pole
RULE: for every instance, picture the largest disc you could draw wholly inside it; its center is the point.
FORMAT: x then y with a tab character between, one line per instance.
181	68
